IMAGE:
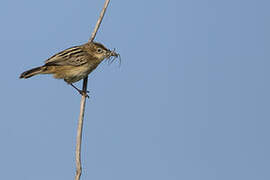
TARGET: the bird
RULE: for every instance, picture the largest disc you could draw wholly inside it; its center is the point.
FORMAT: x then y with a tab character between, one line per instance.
73	64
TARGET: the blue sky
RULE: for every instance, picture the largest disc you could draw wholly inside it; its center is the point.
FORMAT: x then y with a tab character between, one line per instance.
190	101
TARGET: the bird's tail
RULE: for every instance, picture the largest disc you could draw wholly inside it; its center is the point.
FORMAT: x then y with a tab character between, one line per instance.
32	72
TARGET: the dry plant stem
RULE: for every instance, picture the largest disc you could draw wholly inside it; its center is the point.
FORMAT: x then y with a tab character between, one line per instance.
82	107
99	21
79	134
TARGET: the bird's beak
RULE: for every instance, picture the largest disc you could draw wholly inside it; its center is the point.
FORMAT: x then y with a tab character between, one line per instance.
113	53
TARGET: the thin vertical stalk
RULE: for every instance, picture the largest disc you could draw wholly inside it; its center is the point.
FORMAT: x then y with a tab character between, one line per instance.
82	106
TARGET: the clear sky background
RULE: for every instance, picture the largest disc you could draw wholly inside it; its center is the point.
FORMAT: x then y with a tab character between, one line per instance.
190	101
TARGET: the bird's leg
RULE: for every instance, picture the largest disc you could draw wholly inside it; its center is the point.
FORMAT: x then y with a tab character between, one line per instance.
81	91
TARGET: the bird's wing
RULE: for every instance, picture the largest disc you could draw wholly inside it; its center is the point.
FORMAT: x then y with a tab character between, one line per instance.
74	56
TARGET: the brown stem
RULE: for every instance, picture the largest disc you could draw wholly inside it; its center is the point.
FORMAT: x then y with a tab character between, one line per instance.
99	21
82	106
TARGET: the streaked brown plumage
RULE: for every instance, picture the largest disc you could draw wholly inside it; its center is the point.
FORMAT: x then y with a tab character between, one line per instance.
73	64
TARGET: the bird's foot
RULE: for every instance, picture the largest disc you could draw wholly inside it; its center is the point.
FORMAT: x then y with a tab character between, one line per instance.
83	93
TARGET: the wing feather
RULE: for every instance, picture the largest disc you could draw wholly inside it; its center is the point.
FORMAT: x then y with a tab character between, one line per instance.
74	56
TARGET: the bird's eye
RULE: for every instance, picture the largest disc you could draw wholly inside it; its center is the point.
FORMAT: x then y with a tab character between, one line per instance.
99	50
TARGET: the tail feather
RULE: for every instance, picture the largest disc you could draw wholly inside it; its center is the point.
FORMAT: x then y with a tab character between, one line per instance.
32	72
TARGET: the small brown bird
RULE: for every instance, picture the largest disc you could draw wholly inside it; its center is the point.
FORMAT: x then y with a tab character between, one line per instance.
73	64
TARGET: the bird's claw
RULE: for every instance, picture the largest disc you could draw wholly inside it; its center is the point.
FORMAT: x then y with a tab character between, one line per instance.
83	93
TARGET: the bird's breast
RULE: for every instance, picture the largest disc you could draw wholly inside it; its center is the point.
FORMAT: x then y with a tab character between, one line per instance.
76	73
